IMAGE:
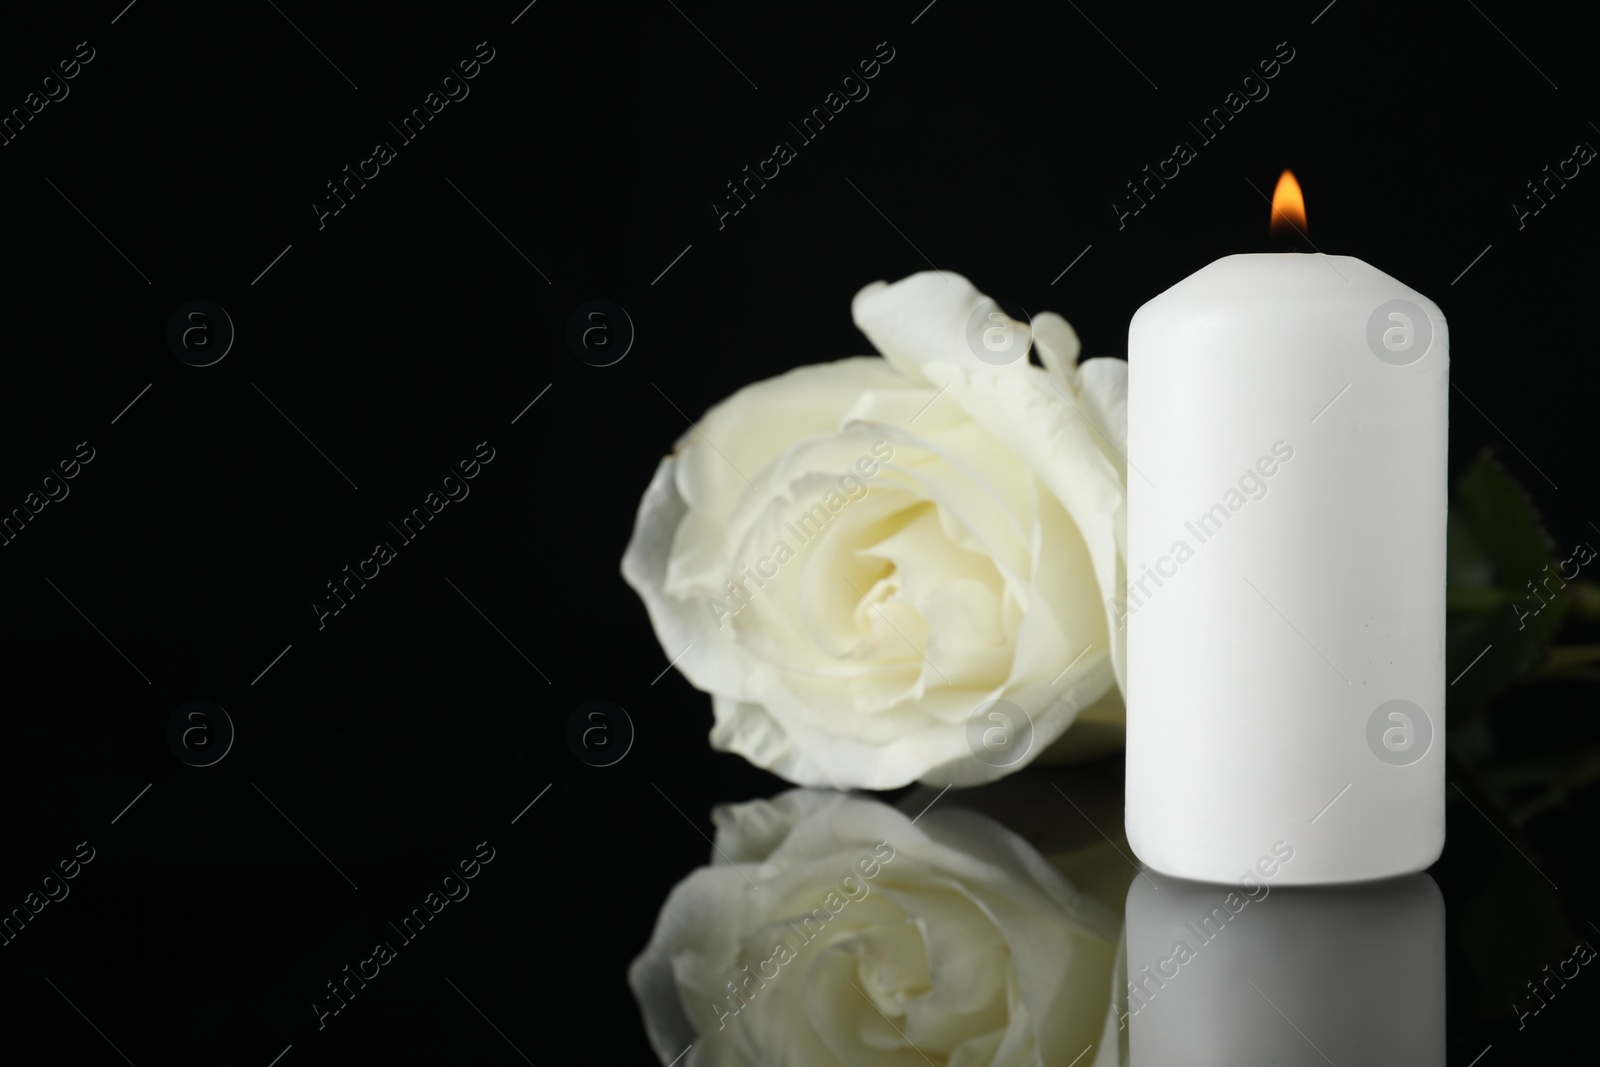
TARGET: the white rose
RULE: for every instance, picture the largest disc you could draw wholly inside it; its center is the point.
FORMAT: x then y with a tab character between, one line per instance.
854	557
868	939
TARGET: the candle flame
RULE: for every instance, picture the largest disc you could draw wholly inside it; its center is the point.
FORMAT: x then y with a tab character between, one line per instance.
1288	207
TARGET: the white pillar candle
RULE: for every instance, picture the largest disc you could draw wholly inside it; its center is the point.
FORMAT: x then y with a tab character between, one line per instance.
1286	571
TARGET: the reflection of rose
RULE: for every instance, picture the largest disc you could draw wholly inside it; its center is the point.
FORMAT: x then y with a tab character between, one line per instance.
853	557
963	947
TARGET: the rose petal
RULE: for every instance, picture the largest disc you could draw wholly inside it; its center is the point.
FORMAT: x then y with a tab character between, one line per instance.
923	319
1058	346
685	628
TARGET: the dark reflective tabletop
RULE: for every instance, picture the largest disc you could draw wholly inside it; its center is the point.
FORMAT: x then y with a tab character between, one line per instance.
1013	925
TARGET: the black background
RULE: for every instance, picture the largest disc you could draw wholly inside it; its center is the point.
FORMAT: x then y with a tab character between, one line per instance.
414	325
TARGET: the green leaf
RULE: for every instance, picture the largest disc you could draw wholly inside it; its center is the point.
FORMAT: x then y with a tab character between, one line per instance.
1499	553
1531	787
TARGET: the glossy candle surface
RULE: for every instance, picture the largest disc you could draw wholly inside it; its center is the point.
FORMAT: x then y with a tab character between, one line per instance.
1288	420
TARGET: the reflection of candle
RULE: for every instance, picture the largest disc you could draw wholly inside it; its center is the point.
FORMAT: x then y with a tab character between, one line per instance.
1359	970
1286	550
